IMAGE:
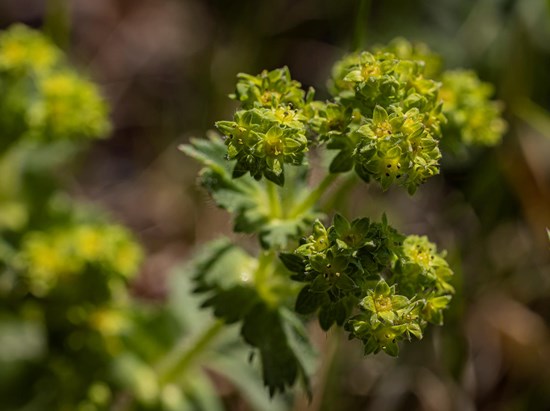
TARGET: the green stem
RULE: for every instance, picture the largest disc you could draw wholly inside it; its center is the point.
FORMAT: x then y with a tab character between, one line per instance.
338	199
274	200
58	22
361	25
313	196
182	356
262	274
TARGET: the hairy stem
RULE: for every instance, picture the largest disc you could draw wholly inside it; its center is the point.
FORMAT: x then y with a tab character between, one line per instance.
313	196
58	22
338	199
262	274
183	355
360	32
274	200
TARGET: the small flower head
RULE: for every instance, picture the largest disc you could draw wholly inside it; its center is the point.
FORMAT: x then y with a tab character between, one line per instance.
384	303
263	140
432	310
317	242
396	147
327	119
422	264
269	89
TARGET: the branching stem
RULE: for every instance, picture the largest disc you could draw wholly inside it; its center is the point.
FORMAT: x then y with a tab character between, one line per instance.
184	354
262	274
274	200
313	196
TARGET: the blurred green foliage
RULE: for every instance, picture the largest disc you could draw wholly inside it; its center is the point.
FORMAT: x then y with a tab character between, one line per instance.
64	266
71	335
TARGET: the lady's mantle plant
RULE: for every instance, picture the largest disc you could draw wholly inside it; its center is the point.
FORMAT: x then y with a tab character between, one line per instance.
389	112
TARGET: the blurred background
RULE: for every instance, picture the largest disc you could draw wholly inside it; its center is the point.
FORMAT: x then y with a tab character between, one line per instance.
166	67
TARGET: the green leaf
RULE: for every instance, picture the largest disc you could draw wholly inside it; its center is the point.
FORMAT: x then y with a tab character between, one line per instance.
319	285
379	114
298	341
341	224
209	152
275	235
342	163
247	380
221	265
293	262
247	198
345	283
391	348
276	177
265	329
327	316
225	273
308	302
232	304
201	393
362	172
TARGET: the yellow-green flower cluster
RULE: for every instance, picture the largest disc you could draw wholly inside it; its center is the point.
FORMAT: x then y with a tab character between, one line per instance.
69	108
329	119
473	118
381	286
422	264
420	52
43	98
270	129
26	52
47	257
365	80
396	148
386	319
422	277
396	137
